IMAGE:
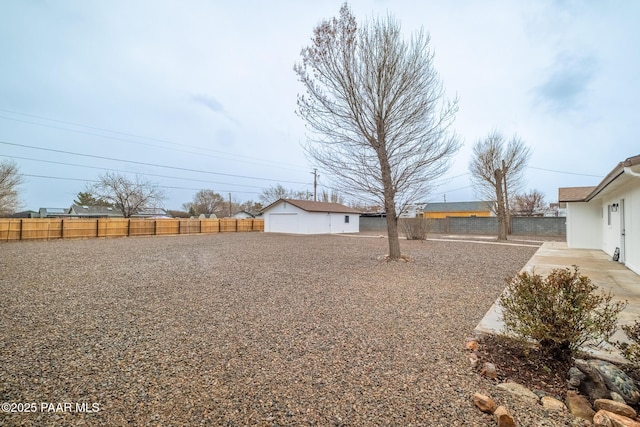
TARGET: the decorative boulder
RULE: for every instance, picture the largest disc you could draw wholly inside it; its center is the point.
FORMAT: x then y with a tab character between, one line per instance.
617	381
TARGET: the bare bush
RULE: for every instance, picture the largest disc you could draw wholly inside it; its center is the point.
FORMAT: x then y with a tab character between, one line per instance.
415	228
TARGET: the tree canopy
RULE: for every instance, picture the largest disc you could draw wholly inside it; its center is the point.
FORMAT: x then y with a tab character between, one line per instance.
129	195
10	180
376	112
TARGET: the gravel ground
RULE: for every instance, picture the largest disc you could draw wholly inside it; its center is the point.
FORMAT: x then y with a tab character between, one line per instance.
249	329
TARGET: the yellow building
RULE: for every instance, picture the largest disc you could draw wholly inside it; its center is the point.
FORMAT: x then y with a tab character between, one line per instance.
465	209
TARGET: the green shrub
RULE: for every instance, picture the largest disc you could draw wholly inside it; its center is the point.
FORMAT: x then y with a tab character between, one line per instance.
415	228
560	313
631	351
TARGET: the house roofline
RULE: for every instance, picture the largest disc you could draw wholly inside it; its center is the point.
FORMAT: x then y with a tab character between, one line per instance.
613	175
330	207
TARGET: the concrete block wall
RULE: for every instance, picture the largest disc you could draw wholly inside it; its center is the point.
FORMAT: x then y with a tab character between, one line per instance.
539	226
531	226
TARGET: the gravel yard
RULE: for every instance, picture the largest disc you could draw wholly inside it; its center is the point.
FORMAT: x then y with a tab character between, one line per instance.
242	329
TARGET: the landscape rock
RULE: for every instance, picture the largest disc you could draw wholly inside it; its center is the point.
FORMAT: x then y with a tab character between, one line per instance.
576	376
617	380
602	378
608	419
503	418
579	406
593	384
615	396
471	344
615	407
552	404
484	403
518	390
489	371
473	360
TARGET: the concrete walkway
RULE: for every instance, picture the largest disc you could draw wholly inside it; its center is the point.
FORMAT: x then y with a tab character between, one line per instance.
609	275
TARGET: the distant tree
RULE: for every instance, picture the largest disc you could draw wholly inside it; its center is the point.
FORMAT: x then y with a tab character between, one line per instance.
205	202
85	198
529	204
375	107
251	206
497	170
10	180
331	197
130	196
275	192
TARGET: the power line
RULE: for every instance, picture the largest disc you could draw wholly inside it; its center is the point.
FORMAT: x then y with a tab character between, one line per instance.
295	167
159	186
564	172
124	171
147	164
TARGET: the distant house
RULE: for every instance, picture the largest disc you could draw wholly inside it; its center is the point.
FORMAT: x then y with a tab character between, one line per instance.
607	216
411	211
53	212
468	209
244	214
151	213
94	211
308	217
26	214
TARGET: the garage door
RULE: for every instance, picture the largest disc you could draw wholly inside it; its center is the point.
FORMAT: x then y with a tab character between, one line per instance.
283	223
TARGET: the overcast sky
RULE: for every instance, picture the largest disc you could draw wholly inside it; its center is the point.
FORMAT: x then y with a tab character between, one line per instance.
202	94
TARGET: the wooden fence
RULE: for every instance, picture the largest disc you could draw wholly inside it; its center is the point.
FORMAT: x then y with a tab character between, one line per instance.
71	228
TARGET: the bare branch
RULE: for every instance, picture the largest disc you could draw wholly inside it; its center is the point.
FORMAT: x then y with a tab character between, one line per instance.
10	181
130	196
375	109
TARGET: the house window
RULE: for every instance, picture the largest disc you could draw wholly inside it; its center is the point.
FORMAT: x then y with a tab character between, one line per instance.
346	219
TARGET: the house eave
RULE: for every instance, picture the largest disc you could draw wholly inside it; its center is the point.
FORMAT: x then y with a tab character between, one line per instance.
613	175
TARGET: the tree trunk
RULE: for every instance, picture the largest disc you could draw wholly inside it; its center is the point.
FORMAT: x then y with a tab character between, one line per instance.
502	220
506	199
392	230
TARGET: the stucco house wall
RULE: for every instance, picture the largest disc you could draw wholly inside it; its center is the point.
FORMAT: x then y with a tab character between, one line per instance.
607	216
286	216
583	216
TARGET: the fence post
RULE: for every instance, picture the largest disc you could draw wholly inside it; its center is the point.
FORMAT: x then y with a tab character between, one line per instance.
129	227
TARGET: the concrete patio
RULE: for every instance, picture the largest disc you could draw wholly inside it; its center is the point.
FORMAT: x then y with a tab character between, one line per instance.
609	275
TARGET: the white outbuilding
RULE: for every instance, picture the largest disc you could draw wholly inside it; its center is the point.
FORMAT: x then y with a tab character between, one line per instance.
607	216
308	217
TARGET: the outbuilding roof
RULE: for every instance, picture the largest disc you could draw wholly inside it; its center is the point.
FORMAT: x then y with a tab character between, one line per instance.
311	206
457	207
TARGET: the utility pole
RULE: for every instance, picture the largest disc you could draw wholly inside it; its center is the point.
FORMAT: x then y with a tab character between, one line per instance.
502	224
444	196
230	214
315	184
506	197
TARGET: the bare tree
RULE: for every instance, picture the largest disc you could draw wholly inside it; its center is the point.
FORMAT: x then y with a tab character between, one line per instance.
206	202
275	192
10	180
376	112
130	196
529	204
331	197
497	170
